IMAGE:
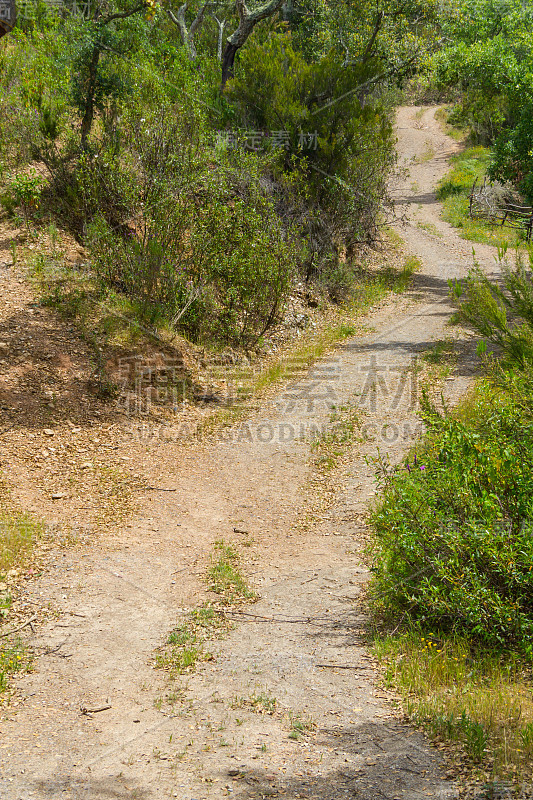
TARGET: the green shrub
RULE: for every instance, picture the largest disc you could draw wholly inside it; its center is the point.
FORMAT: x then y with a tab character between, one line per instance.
453	548
503	314
24	191
332	183
197	242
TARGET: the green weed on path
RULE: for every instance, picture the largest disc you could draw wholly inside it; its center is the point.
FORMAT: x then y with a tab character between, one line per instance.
186	645
14	657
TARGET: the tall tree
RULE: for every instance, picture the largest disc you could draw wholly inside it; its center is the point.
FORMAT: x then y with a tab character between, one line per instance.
90	80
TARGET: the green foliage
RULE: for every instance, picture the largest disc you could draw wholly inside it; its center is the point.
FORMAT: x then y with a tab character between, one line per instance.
453	533
489	59
455	690
23	191
18	533
204	240
403	29
34	88
13	658
503	314
513	151
454	190
196	241
472	163
335	188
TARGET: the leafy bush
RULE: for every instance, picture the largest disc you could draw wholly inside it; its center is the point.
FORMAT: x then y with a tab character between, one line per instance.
503	314
513	153
24	191
200	244
334	189
453	533
488	65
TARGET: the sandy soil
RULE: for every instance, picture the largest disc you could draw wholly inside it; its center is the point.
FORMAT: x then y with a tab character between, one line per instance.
300	531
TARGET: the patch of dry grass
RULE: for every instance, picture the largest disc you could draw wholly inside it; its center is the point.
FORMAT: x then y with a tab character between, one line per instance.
484	701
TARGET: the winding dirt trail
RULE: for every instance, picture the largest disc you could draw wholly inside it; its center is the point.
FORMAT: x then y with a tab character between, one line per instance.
119	599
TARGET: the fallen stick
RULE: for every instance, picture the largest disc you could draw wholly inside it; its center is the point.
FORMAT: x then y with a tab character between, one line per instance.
20	627
154	489
84	710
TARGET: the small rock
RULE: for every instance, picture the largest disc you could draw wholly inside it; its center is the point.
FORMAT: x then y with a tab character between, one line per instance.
48	432
58	495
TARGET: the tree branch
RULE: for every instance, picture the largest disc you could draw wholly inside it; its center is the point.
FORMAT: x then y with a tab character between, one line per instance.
179	21
370	46
249	19
188	35
200	17
221	24
123	14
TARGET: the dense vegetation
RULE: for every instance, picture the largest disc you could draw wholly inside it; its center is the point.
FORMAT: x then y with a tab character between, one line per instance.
487	60
208	155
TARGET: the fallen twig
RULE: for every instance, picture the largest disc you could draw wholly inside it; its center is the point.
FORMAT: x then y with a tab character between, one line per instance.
20	627
54	651
84	710
154	489
293	620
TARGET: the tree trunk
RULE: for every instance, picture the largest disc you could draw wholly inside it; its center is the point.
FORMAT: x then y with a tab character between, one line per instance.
247	22
228	63
187	35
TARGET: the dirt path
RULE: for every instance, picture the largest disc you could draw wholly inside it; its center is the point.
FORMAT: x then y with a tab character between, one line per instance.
116	601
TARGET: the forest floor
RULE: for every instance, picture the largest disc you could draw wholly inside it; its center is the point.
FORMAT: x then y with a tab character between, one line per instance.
289	702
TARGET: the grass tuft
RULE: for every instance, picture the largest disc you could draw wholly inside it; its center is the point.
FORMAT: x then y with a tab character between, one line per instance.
225	577
18	533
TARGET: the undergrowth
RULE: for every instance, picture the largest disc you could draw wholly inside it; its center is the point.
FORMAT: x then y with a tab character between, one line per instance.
19	532
13	658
